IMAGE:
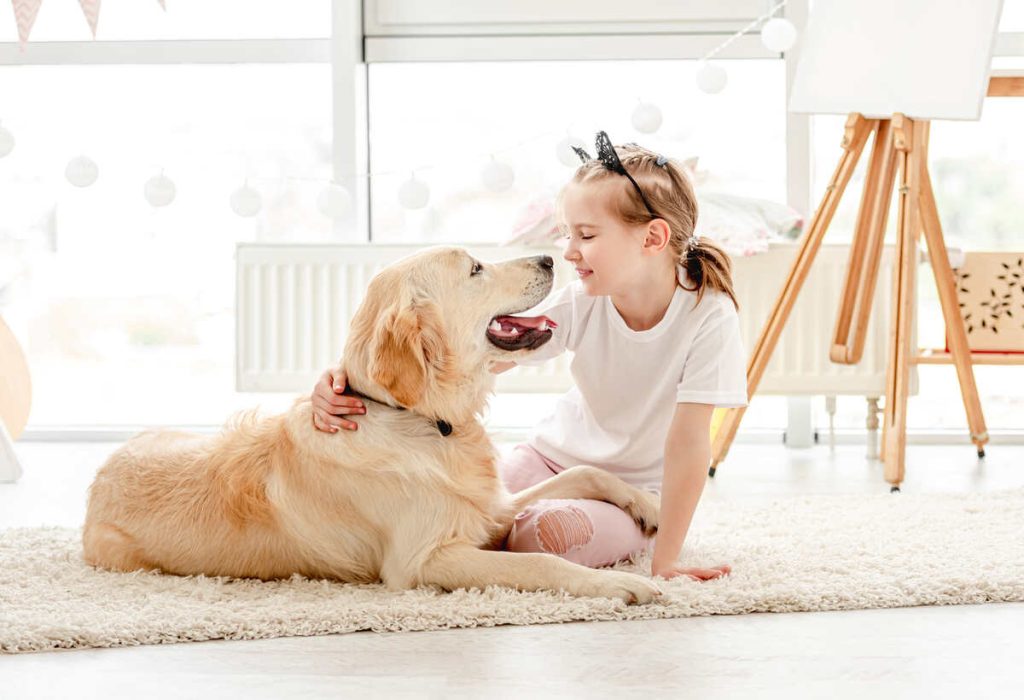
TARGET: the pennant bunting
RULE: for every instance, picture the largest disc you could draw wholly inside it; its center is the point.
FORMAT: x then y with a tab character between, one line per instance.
91	8
25	12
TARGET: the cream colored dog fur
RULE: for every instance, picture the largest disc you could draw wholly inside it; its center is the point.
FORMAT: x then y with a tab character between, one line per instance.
395	500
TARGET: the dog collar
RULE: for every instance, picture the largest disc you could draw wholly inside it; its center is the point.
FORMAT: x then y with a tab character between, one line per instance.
443	426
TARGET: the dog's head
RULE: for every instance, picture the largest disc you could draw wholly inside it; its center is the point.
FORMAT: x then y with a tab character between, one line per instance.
431	325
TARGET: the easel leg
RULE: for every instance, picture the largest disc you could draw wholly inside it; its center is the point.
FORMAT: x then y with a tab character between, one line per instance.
865	251
944	282
855	136
898	374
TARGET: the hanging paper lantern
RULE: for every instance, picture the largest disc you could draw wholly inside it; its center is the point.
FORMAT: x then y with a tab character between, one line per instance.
81	171
646	118
564	151
711	78
245	201
6	142
497	176
334	201
159	190
778	34
413	194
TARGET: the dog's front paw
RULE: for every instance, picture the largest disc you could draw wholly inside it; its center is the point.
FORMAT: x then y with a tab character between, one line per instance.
645	509
628	588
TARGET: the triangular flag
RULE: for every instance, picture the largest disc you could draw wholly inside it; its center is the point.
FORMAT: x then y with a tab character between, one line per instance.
91	8
25	12
162	4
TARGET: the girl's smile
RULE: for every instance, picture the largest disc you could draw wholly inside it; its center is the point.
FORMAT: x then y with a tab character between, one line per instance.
628	262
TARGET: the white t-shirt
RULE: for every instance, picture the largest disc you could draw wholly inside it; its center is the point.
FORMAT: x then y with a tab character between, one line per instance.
628	382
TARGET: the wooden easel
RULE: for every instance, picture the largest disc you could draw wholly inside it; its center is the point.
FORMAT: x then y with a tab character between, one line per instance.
900	149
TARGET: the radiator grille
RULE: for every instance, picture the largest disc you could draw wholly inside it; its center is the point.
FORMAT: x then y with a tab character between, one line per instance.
294	303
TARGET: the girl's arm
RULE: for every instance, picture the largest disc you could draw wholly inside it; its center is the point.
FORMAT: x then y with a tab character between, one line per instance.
687	455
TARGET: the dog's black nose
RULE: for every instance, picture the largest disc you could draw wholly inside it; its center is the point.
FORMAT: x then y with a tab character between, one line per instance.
545	262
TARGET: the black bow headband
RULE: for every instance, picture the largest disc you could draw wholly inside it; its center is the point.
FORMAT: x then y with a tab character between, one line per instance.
610	160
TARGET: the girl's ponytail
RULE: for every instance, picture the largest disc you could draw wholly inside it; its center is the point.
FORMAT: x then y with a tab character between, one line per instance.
708	266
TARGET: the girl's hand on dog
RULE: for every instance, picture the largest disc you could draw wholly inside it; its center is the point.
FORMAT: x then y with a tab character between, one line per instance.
330	403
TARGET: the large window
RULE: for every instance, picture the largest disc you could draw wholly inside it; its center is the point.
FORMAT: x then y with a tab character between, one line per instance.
444	121
125	310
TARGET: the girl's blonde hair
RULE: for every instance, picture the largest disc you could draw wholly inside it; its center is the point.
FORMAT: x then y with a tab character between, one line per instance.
668	190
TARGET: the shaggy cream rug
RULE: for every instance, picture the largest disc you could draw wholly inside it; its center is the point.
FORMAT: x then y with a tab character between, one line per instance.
793	554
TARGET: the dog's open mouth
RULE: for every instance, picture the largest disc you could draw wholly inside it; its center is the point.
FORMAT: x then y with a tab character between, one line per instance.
520	332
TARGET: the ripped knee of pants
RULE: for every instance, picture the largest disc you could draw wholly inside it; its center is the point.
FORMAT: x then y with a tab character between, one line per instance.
563	529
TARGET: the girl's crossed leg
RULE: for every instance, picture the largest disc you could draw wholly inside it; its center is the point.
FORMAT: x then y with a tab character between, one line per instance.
584	531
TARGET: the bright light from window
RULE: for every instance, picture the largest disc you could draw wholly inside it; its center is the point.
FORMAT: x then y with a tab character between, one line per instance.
126	312
449	119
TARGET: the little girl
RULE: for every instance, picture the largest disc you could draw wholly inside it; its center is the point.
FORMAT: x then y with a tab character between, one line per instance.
652	323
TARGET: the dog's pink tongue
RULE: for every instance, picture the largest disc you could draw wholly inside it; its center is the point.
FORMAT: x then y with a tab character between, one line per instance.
526	321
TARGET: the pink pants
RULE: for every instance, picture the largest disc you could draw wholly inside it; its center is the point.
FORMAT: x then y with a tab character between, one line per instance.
584	531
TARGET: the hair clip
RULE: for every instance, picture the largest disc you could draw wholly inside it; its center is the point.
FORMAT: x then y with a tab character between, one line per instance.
661	161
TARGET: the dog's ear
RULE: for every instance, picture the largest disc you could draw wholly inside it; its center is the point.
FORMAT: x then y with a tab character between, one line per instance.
410	344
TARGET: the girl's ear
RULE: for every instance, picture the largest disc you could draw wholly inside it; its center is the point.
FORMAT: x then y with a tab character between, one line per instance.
657	236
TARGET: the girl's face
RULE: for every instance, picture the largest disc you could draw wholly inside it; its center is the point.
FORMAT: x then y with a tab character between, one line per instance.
606	252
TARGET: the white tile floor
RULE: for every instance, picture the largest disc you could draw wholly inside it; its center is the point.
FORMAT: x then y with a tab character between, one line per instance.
914	652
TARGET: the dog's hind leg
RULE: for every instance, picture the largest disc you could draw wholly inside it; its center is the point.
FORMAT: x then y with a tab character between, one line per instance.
109	547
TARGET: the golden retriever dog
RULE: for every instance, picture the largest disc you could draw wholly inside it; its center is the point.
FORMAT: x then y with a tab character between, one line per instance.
411	498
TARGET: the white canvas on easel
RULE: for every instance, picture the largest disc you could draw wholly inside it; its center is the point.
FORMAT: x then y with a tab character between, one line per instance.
859	56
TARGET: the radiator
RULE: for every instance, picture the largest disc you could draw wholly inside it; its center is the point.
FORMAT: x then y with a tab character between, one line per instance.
294	303
800	363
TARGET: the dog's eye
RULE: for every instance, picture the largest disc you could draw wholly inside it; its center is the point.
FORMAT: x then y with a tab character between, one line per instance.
477	269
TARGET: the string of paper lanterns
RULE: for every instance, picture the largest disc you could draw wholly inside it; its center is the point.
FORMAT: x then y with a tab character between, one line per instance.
777	34
335	201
